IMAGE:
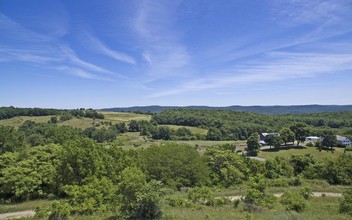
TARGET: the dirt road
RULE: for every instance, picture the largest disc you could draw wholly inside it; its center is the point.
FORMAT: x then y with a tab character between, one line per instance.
315	194
14	215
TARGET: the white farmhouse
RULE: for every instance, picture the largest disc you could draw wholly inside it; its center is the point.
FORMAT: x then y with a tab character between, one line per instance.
343	140
313	139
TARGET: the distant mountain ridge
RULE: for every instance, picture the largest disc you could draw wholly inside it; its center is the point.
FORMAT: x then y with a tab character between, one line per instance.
277	109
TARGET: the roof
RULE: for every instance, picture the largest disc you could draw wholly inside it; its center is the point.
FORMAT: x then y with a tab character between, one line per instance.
341	138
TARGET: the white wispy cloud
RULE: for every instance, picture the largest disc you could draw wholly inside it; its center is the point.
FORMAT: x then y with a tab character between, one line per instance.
277	66
78	72
72	57
300	12
100	47
45	51
165	54
27	55
329	18
15	31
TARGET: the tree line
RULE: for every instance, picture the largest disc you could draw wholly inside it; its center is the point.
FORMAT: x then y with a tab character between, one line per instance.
10	112
230	125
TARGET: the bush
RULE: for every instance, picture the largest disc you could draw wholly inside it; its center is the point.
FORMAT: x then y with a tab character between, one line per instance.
60	210
349	148
257	196
306	192
293	201
149	201
65	117
95	196
178	202
346	202
42	212
200	195
236	203
310	144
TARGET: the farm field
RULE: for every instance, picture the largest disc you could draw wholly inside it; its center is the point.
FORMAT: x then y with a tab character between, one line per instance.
83	123
194	130
318	208
287	152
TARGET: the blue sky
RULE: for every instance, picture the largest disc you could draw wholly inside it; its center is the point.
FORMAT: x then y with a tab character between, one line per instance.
114	53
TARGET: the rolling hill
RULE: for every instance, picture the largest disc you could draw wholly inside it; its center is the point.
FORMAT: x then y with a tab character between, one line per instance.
279	109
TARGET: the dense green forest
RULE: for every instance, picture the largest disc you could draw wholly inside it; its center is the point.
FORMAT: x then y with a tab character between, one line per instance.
230	125
291	109
86	172
10	112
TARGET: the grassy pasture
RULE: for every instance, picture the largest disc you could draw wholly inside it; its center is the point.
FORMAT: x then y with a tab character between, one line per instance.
18	121
318	208
114	117
29	205
288	152
194	130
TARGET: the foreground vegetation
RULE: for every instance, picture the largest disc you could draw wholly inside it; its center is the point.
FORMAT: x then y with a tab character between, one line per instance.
129	166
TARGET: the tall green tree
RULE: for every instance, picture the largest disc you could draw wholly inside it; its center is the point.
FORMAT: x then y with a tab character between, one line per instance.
175	165
301	132
227	167
214	134
131	183
253	144
10	139
79	159
329	141
287	135
30	175
133	126
273	140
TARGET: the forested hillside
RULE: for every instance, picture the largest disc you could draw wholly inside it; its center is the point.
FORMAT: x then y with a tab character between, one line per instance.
240	125
291	109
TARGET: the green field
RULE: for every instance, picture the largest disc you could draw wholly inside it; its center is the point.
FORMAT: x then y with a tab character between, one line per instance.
116	117
30	205
318	208
194	130
17	121
288	152
113	117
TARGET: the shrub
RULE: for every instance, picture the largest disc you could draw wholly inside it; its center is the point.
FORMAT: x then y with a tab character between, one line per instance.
310	144
236	203
149	201
95	196
178	202
42	212
257	196
349	148
346	202
200	195
293	201
60	210
220	201
306	192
